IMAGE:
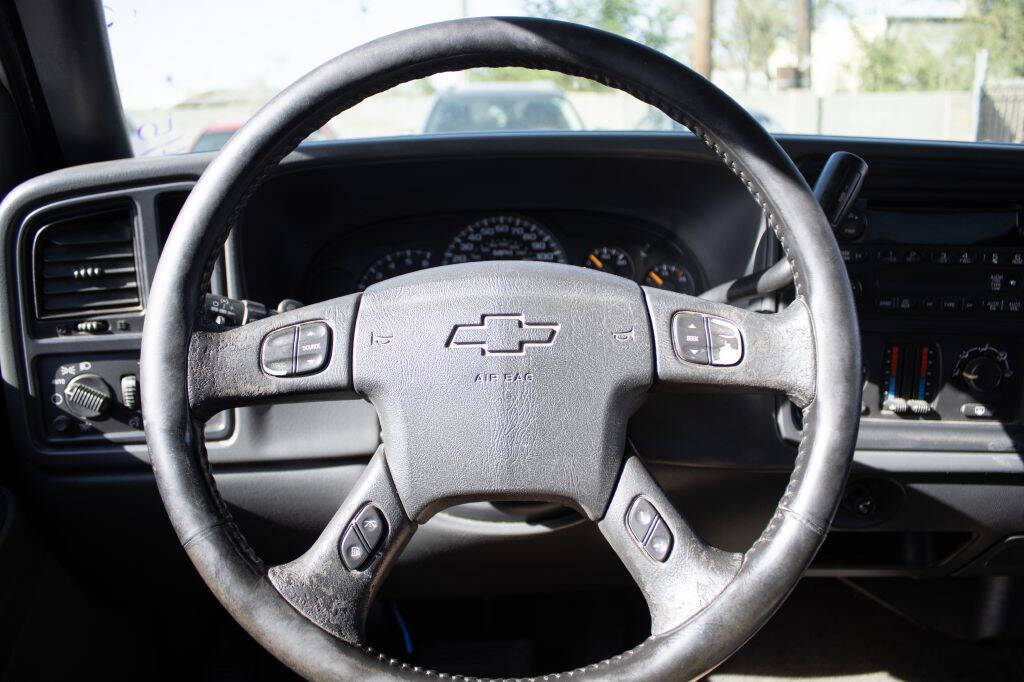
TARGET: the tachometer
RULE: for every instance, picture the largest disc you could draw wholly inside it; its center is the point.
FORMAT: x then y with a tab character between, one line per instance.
504	238
671	276
395	264
610	259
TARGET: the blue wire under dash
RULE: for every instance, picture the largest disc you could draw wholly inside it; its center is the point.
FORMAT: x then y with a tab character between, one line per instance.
403	627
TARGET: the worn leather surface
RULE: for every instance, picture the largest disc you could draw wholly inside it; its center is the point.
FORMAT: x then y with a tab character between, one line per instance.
318	584
768	570
224	369
778	350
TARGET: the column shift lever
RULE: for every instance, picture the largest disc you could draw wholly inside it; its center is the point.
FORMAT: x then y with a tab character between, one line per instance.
835	189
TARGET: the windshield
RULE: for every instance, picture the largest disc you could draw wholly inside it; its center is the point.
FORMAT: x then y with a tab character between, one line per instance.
191	72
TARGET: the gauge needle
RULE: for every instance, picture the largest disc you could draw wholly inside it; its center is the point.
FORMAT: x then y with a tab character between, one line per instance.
596	261
657	280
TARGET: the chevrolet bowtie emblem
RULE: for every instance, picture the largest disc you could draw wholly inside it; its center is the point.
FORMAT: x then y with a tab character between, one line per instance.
502	335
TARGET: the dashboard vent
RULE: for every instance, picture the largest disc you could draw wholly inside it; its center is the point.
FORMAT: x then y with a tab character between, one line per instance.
87	265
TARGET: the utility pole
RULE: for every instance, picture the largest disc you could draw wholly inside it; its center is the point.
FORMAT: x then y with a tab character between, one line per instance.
704	30
804	27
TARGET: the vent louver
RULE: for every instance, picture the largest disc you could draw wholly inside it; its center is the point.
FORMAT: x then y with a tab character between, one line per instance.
86	265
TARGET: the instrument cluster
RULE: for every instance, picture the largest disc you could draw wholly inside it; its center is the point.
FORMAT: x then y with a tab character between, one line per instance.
640	252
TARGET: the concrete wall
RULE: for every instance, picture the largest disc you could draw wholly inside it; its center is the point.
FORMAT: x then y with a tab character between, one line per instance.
924	115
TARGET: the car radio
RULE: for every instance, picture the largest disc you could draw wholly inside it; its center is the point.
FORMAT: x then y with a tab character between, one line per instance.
926	263
940	294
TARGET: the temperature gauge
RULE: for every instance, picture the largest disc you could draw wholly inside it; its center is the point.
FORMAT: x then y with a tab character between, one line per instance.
671	276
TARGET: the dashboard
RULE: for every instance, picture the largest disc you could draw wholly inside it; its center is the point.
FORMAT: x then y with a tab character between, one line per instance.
622	247
934	250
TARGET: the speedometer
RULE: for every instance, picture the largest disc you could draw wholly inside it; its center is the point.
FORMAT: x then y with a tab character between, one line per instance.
504	238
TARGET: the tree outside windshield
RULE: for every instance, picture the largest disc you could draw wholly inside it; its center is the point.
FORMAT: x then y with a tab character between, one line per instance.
191	73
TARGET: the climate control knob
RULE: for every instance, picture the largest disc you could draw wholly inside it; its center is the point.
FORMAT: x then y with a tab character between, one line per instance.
983	369
88	396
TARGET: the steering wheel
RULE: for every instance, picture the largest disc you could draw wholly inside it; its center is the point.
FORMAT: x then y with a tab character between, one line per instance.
502	381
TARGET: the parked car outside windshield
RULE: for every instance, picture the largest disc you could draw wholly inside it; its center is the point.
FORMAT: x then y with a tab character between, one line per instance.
501	107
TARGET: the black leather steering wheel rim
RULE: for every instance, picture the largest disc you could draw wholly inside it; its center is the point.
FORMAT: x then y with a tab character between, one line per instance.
172	387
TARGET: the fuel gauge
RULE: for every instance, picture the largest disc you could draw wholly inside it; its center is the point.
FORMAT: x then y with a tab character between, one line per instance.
610	259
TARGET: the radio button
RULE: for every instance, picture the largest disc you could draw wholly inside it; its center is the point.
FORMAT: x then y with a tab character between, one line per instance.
854	255
889	257
950	305
993	305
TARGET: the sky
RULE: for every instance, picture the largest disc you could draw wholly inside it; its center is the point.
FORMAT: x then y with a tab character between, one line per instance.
167	50
164	50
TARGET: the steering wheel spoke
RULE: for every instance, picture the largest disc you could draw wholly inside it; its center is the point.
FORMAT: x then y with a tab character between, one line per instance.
335	581
677	572
704	345
301	353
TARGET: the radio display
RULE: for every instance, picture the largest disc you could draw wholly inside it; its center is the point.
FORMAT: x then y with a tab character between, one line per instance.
947	228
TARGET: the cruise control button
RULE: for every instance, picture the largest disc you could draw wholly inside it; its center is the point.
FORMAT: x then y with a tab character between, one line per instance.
353	553
370	523
689	337
726	342
314	342
278	351
640	517
659	544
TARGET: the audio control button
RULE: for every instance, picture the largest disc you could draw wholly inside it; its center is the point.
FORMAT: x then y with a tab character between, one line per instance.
690	338
277	355
950	305
311	349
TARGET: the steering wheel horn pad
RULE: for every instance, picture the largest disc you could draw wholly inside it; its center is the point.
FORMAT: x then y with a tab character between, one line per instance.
502	381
